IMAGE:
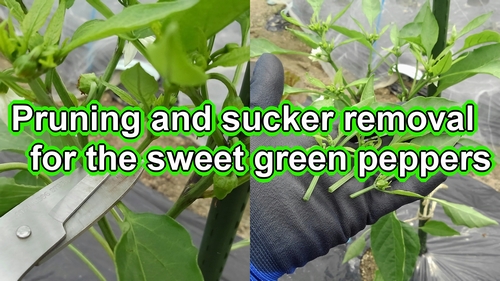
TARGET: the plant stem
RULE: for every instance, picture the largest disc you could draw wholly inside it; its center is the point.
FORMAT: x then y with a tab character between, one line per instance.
340	182
101	8
110	69
23	7
190	194
48	80
87	262
107	232
211	42
22	166
311	188
42	96
144	144
241	244
351	92
362	191
197	100
441	10
422	235
61	90
102	241
224	80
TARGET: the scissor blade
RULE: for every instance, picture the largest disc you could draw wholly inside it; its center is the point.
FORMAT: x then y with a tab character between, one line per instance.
28	232
95	208
77	197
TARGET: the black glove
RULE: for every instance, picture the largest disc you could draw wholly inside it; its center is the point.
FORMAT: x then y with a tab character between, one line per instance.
288	232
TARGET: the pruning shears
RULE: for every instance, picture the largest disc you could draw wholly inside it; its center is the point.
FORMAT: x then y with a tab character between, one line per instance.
49	220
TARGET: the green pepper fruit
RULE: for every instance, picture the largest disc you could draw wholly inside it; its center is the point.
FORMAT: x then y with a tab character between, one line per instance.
223	185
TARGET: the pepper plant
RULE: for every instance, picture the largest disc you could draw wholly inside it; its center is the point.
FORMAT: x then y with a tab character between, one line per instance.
177	38
442	68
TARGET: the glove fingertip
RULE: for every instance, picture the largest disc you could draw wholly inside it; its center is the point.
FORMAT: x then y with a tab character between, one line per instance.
266	86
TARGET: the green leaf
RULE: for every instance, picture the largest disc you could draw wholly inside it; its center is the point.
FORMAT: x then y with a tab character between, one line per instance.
208	16
358	36
310	40
289	90
439	228
290	19
261	46
429	102
131	18
481	60
26	178
395	247
13	193
316	6
356	83
355	249
140	84
121	93
54	29
411	32
473	143
443	64
234	57
371	9
15	9
338	79
69	3
486	36
315	81
475	23
368	91
154	247
367	102
244	21
395	36
341	13
319	104
430	31
36	17
465	215
420	17
405	145
22	142
378	276
438	142
171	61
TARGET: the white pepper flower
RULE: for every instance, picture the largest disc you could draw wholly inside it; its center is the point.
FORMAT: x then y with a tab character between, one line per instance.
318	55
130	51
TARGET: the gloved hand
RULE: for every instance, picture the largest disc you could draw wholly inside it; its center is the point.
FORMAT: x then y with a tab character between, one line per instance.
288	232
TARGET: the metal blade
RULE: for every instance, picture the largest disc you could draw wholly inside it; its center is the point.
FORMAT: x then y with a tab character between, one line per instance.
48	236
28	231
95	208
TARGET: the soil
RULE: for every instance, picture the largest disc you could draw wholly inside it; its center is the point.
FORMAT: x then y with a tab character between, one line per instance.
368	267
